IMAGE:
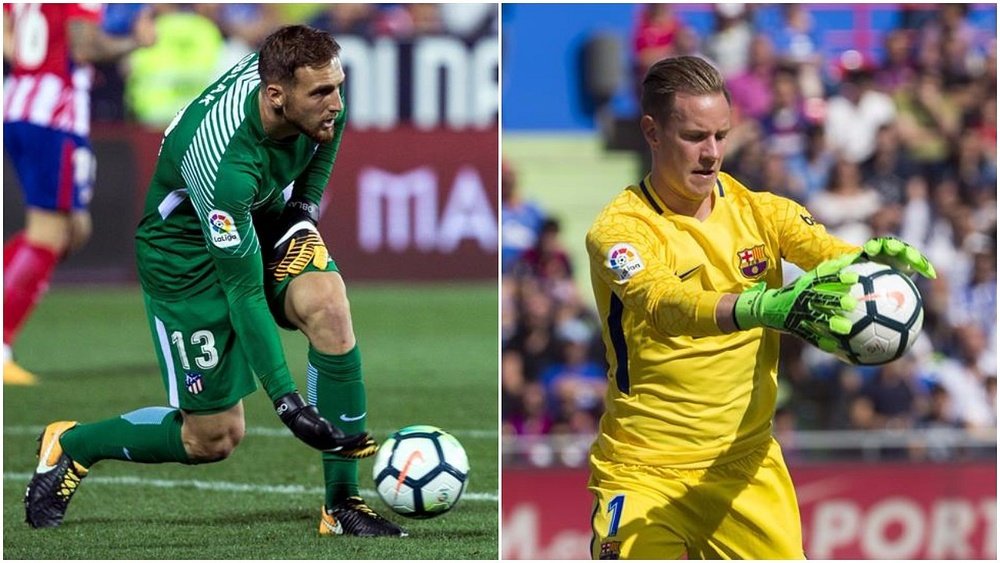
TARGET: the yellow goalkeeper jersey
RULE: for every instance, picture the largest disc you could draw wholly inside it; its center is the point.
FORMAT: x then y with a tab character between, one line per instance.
680	392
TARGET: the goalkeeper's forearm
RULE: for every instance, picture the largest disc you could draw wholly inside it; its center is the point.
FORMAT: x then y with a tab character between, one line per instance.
724	316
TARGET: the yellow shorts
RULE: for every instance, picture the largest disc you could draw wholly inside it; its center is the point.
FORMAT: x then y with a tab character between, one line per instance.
745	509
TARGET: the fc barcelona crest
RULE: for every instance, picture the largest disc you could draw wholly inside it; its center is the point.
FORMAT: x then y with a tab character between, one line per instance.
753	261
611	550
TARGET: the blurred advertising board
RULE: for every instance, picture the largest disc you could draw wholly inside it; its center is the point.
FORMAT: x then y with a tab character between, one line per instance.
849	511
409	204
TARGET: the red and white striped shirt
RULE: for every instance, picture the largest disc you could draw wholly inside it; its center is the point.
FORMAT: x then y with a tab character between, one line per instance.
46	87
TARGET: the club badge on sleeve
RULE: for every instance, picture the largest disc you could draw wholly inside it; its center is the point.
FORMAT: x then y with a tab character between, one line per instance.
624	261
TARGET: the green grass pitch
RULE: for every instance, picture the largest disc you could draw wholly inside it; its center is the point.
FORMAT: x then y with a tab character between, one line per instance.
430	357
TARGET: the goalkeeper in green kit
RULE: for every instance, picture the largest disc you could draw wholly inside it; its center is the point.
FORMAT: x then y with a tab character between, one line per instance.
227	249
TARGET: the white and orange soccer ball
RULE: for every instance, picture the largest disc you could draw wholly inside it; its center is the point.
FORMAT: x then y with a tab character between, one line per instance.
421	471
887	319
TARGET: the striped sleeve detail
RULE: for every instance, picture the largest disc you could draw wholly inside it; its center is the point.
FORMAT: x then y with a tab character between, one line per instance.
200	164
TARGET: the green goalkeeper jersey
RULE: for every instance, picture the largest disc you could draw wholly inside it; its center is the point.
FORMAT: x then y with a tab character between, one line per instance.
219	182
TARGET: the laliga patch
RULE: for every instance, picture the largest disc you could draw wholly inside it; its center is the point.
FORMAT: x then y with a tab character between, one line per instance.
624	261
222	229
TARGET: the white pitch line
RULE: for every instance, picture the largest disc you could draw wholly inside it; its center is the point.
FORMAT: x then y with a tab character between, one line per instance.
222	486
274	431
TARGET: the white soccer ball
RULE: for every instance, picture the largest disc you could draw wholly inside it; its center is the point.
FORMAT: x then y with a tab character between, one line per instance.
887	319
421	471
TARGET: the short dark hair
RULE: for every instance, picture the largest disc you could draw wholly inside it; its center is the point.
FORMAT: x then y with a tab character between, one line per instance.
292	47
686	74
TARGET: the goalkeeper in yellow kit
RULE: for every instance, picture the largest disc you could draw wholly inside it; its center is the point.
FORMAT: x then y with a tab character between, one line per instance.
686	270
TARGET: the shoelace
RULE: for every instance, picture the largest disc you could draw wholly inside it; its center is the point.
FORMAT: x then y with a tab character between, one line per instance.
69	484
362	506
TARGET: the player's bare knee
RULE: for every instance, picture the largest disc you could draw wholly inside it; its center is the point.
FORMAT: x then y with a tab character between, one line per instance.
328	325
80	232
327	314
49	229
213	437
214	445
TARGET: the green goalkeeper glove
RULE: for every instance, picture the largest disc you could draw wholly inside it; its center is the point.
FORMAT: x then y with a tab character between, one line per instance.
896	253
811	307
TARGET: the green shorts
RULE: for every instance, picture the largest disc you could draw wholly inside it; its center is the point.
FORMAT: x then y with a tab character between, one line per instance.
276	291
201	357
268	232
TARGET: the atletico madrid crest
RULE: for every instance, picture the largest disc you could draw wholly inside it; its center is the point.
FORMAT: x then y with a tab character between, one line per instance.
193	382
753	261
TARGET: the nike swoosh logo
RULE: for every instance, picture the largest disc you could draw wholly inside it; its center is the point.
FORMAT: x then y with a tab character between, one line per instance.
43	458
415	455
690	272
346	418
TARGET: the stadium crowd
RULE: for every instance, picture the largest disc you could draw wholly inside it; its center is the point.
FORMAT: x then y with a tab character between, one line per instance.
902	143
199	41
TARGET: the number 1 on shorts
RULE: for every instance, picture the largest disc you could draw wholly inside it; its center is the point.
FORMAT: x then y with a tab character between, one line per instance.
615	507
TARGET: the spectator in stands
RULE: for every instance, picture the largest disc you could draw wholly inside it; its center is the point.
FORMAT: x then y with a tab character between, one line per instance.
813	169
575	383
796	39
889	169
535	336
798	44
937	425
521	220
406	21
940	412
895	394
731	43
776	178
512	382
975	302
654	37
846	204
751	89
973	166
747	161
531	417
897	68
547	260
786	128
855	114
965	377
846	384
947	41
244	27
509	309
991	391
346	19
164	77
928	121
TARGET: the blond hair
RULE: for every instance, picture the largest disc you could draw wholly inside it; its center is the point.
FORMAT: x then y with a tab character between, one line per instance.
686	74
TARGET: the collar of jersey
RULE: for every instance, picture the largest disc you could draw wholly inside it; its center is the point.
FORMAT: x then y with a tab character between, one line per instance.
654	201
253	114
